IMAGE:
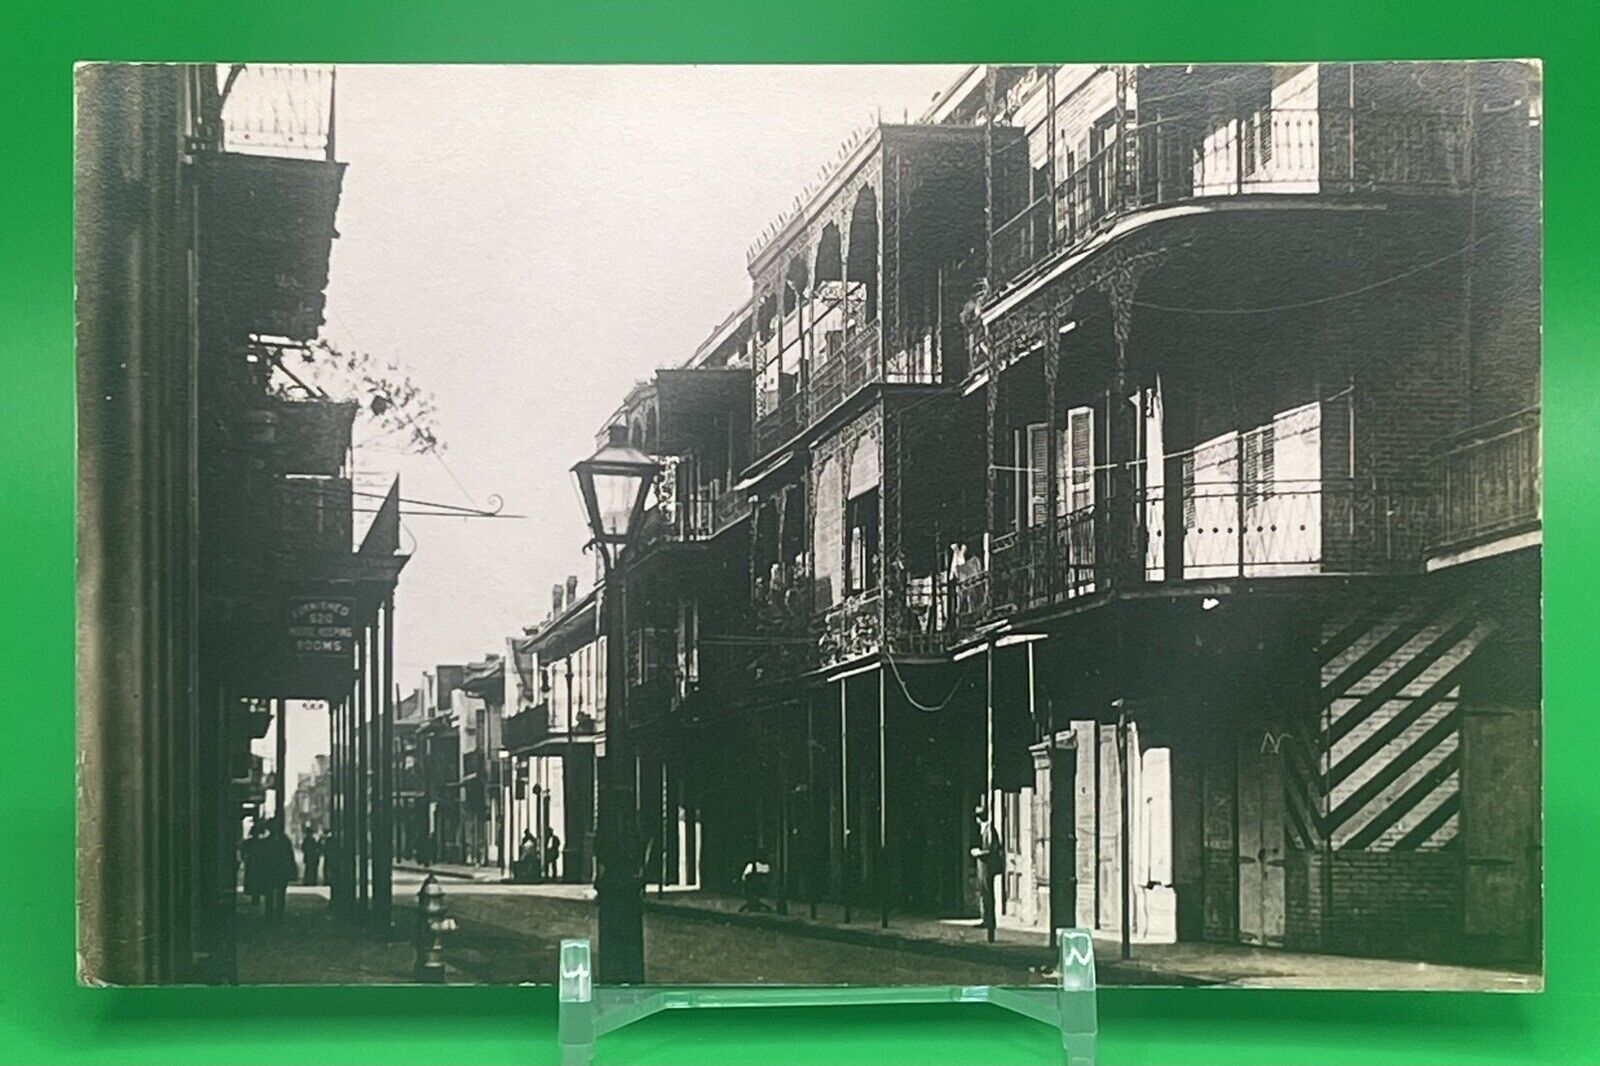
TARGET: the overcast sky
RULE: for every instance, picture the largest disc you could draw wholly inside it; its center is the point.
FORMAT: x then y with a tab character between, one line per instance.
528	242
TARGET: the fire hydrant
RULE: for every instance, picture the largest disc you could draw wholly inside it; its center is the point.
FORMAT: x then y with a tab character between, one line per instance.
433	922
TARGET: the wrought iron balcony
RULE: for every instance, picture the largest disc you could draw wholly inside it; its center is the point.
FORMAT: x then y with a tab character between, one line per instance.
780	424
279	109
851	629
1489	482
1329	150
839	377
314	514
1228	530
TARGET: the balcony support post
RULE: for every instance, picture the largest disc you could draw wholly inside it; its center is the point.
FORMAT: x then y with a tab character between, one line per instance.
383	807
281	756
1052	411
1177	436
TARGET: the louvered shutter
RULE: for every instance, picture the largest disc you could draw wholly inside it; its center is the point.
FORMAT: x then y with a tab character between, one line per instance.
1080	448
1259	464
1038	473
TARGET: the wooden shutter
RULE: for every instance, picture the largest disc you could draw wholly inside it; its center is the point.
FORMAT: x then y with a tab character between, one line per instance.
1038	473
1259	465
1080	457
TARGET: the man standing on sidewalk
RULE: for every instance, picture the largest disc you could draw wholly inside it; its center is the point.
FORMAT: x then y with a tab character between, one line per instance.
989	856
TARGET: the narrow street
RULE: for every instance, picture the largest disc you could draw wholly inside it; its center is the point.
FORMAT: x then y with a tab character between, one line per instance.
510	934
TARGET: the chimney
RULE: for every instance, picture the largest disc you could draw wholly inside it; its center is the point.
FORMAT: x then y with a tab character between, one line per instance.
572	589
555	599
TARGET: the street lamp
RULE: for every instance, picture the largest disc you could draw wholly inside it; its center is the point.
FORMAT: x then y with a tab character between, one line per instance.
613	484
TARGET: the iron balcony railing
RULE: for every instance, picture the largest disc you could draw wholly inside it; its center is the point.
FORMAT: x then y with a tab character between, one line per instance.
851	629
1226	530
780	424
685	513
314	514
1488	482
278	109
1277	150
840	376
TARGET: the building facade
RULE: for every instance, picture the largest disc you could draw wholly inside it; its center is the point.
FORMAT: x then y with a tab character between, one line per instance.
1147	457
218	572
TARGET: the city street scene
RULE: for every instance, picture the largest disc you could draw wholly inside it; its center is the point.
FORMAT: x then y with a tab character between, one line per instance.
810	525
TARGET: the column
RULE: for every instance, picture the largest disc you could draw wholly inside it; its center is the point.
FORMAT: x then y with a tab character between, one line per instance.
281	793
383	780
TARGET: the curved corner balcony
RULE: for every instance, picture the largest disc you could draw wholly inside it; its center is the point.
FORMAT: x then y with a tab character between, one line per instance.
1338	151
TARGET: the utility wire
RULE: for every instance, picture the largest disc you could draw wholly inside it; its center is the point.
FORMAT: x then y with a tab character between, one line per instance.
1315	301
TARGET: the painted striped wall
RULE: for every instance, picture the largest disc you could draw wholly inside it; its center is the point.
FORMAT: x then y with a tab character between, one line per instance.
1384	774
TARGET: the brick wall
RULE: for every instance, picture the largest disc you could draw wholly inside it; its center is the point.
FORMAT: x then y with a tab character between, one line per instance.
1392	904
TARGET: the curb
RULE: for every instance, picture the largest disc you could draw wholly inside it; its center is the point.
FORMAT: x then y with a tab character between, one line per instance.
1033	957
863	936
449	875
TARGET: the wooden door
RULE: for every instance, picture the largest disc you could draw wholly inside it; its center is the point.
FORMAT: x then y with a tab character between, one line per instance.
1056	869
1500	831
1219	868
1261	846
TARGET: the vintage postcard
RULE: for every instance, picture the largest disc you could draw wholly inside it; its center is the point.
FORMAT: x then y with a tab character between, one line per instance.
810	525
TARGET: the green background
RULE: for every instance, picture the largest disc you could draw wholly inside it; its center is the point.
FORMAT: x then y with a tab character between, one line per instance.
45	1018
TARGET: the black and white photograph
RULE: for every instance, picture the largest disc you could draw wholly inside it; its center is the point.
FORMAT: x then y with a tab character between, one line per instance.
810	525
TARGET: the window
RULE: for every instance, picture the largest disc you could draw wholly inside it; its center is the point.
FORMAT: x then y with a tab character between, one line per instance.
861	522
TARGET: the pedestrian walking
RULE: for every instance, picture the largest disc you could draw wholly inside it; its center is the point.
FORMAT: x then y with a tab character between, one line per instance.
276	868
311	855
250	856
527	866
989	857
552	853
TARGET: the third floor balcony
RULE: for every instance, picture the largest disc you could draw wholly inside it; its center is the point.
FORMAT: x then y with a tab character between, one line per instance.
1270	151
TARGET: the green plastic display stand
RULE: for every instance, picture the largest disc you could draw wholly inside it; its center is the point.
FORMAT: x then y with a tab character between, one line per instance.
589	1011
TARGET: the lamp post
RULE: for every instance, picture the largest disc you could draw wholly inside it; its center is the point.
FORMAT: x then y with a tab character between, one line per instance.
614	483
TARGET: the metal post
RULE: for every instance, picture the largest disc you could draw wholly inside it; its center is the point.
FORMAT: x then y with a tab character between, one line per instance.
883	810
844	794
281	790
988	173
359	745
813	839
988	726
383	826
1239	508
619	886
1127	842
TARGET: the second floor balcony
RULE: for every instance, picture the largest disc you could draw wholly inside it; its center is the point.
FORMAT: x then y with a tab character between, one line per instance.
1216	531
1488	483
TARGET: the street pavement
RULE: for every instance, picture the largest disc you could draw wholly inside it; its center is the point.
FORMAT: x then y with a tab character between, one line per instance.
510	934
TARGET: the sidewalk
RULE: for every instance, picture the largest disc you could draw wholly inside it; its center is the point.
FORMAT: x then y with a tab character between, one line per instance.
1236	965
